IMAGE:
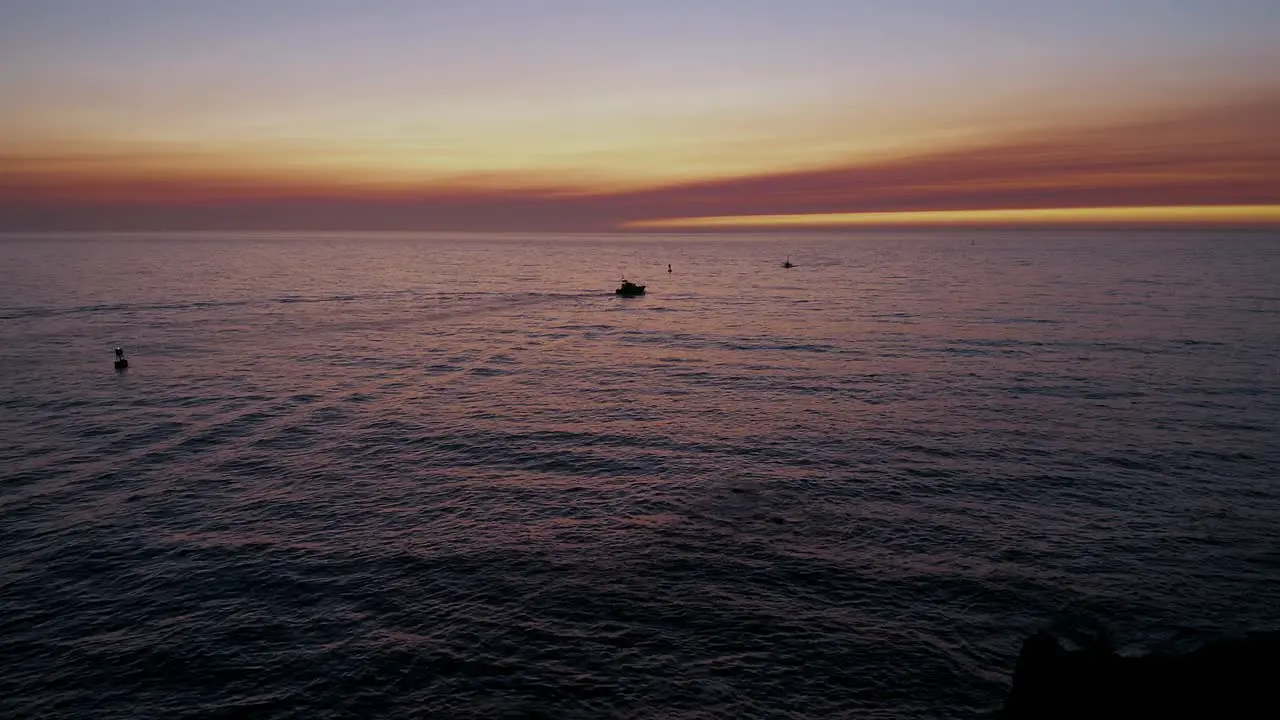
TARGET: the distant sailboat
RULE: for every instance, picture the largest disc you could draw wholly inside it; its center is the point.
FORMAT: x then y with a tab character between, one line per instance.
788	264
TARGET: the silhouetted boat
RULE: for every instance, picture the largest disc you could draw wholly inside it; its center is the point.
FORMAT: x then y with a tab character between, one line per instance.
788	264
629	289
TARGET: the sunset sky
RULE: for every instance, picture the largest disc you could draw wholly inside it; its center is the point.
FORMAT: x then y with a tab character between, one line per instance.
609	114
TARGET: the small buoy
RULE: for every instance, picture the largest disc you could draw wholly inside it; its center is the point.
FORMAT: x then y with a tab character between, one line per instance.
120	363
668	267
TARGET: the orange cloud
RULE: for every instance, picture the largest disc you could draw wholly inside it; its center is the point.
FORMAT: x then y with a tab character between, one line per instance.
1223	155
1235	215
1227	155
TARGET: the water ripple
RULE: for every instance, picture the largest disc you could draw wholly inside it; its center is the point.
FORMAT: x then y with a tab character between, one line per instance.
379	477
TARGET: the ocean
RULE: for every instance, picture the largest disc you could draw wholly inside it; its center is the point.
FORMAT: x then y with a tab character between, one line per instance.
454	476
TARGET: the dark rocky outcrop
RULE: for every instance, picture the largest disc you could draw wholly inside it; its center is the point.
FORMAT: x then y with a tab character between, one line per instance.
1078	674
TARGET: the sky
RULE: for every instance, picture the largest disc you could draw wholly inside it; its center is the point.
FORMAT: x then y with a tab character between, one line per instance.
587	115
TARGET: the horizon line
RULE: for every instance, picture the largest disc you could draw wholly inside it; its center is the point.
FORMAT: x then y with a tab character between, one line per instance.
7	233
1181	216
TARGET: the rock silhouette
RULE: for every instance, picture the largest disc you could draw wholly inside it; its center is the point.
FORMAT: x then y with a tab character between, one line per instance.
1232	678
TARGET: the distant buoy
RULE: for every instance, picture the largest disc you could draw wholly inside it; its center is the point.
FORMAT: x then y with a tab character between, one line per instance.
668	267
120	363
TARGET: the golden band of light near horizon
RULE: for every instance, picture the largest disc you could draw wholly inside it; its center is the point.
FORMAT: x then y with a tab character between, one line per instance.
1174	215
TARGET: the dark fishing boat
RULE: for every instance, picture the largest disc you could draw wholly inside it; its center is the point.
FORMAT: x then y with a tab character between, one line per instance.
629	289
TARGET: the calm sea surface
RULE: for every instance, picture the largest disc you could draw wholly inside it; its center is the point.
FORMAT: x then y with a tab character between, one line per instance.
415	476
